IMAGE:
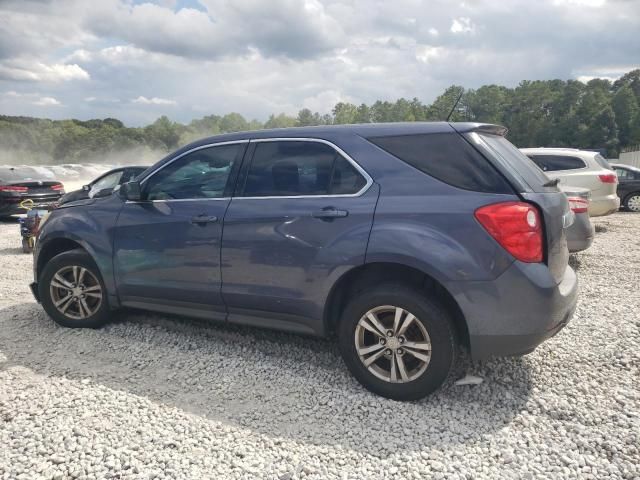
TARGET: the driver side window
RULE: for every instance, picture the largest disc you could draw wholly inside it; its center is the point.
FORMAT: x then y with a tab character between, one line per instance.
200	174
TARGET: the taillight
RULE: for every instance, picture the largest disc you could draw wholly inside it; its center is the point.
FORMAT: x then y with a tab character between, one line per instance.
516	226
13	189
608	178
578	204
57	186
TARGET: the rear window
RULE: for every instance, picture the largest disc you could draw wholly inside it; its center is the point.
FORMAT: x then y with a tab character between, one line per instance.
603	162
553	163
447	157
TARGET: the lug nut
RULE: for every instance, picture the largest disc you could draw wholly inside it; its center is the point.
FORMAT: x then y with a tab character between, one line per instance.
383	341
401	339
389	333
400	351
388	352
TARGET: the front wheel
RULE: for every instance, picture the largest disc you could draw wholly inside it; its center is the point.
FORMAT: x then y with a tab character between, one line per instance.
72	291
632	202
397	342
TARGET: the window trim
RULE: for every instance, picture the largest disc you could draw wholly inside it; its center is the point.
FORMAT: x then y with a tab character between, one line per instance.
585	163
356	165
178	157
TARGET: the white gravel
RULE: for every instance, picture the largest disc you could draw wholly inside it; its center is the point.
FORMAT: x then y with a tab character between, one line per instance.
156	397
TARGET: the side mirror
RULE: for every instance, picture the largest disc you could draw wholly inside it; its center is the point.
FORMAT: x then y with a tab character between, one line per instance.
86	188
131	191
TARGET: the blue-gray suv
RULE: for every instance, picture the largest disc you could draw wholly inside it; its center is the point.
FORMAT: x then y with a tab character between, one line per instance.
405	241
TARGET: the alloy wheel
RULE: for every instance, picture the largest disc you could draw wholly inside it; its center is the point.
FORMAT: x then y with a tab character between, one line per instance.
75	292
393	344
634	203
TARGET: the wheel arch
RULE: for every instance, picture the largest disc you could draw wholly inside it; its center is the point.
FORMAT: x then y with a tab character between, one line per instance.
368	274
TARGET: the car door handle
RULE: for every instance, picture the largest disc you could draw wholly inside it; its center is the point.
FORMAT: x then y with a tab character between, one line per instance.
329	213
202	219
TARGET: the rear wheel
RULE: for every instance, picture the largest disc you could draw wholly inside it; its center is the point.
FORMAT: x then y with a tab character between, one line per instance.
397	342
632	202
72	291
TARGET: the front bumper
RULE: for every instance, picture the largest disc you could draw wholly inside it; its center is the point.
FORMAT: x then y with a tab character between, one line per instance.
516	312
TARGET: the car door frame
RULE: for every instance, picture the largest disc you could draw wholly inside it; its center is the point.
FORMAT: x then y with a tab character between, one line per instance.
177	307
298	323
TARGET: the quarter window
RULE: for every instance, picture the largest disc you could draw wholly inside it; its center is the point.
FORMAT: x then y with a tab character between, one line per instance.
296	168
553	163
200	174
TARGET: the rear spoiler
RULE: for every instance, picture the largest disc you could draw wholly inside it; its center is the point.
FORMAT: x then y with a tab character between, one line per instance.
466	127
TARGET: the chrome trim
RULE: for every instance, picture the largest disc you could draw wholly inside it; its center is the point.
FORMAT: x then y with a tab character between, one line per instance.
179	200
355	164
195	149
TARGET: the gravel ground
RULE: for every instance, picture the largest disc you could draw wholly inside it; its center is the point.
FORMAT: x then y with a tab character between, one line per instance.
158	397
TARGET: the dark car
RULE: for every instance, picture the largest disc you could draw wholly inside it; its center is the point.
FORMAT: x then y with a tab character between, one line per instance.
105	182
403	240
628	186
18	184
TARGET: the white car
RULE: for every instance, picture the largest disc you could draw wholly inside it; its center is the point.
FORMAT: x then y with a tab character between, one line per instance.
581	168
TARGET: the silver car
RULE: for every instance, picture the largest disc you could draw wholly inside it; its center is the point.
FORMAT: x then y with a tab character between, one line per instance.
580	234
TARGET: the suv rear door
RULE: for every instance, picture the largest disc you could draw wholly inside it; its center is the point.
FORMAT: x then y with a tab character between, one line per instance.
301	217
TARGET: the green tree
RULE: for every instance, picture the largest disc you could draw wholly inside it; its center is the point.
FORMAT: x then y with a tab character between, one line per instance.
344	113
625	107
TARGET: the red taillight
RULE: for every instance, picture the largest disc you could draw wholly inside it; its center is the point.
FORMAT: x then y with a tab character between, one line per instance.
608	178
516	226
13	189
57	186
578	204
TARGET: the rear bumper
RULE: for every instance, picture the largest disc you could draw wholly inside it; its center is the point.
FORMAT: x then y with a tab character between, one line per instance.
580	234
11	205
516	312
601	206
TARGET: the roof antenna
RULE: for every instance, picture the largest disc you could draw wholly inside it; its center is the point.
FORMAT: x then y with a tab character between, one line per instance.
455	104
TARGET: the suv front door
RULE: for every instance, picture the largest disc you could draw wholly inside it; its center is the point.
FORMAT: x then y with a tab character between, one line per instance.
167	246
300	218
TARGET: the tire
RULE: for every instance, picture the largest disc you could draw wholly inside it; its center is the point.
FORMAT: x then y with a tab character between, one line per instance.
420	377
632	202
75	312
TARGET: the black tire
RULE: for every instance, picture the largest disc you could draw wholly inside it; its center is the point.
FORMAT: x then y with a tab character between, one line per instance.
435	319
627	201
71	258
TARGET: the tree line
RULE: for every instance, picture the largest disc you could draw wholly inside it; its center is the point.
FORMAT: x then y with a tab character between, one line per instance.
599	114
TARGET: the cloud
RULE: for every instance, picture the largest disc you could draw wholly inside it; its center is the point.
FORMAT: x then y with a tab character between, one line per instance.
153	101
462	25
256	58
46	102
41	72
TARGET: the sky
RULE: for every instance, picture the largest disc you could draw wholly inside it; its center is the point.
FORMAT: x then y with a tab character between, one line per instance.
138	60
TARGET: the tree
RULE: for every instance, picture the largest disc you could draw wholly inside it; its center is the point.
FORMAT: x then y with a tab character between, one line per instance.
306	118
603	132
280	121
625	107
344	113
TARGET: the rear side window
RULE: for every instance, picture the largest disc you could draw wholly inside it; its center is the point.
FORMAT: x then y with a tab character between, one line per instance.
603	162
553	163
447	157
300	168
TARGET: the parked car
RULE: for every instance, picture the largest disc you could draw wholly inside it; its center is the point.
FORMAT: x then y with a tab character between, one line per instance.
403	240
581	232
581	168
18	184
628	186
105	182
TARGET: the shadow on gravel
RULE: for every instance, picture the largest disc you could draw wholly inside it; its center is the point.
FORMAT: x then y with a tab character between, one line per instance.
575	262
12	251
271	383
